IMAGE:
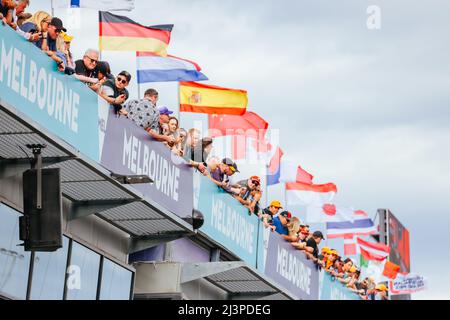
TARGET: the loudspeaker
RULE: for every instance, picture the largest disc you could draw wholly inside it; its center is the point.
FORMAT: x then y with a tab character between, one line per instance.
41	229
196	220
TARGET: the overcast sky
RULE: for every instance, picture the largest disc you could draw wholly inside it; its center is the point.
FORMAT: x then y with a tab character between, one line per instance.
365	109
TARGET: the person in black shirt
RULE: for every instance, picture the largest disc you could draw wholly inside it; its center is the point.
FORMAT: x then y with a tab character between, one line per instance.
86	68
312	249
114	91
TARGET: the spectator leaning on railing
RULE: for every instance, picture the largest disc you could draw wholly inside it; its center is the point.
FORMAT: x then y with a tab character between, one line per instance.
280	221
11	11
86	68
200	155
219	173
293	229
268	213
115	92
248	193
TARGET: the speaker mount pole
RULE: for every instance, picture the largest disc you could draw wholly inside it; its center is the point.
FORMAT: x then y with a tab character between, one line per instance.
36	149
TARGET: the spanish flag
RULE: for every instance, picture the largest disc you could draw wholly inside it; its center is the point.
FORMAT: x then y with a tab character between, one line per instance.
201	98
119	33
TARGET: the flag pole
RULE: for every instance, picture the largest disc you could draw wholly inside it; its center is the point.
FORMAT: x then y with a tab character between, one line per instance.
178	102
285	197
53	7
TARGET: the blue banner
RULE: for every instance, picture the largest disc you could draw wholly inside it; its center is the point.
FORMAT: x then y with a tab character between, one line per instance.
31	83
332	289
227	221
291	269
128	149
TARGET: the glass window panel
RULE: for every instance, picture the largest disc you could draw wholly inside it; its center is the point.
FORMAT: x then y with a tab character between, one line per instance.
14	261
49	273
116	282
83	273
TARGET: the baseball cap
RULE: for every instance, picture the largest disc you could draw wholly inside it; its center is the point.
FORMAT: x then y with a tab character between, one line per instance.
231	164
276	204
255	178
164	110
286	214
333	251
381	287
66	37
326	250
57	22
318	234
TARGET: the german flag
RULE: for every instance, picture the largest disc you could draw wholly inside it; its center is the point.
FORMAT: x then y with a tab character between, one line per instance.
202	98
119	33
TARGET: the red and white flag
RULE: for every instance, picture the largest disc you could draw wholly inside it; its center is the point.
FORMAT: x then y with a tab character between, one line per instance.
327	212
291	172
350	247
298	193
373	251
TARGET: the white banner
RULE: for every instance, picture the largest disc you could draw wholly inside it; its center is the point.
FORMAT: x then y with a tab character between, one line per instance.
407	284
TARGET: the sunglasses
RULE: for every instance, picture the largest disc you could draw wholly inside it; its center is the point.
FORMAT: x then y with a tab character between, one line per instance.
122	80
232	169
92	60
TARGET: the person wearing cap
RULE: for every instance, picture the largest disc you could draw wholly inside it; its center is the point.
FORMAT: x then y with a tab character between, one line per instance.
324	256
331	257
268	213
248	193
55	27
281	221
66	49
144	113
219	173
115	92
312	249
379	293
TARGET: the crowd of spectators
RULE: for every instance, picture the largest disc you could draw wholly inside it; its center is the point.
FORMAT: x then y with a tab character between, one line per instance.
49	34
341	269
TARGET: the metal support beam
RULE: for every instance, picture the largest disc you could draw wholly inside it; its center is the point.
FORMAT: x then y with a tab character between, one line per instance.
12	167
194	271
141	243
80	209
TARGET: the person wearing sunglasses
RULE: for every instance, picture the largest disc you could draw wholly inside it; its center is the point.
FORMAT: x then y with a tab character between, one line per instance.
86	69
248	193
35	29
219	173
115	92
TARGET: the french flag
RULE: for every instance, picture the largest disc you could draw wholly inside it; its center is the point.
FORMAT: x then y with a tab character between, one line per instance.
273	172
154	68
